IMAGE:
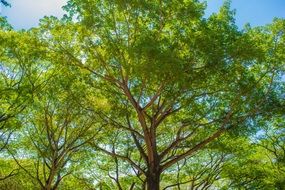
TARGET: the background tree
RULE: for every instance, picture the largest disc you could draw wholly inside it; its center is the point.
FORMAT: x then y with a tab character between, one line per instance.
18	79
56	127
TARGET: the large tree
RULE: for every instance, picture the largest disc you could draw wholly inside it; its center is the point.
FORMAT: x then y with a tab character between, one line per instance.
175	80
163	80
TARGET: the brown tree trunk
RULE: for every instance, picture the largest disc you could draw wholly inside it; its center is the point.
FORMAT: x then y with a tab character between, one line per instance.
49	187
153	180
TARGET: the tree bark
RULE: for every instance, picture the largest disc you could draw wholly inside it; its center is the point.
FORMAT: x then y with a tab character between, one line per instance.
153	180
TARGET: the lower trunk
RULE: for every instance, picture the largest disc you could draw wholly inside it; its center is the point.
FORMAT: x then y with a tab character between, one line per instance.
46	187
49	188
152	181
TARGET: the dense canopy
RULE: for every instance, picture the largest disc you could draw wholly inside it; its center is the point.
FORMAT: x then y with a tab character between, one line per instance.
142	95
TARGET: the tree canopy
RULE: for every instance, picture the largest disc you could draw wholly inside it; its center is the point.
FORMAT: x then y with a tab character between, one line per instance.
142	95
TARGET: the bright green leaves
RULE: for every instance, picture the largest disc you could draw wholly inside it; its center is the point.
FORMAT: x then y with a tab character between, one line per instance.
155	79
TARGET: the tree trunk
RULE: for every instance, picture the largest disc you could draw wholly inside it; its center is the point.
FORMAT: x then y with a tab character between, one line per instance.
49	187
153	180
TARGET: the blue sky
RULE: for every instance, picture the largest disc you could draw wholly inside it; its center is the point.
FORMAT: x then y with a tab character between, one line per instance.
26	13
255	12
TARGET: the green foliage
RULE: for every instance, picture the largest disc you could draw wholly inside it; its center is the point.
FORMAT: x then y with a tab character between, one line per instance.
143	95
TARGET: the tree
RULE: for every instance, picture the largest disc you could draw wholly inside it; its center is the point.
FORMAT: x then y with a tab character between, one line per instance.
18	79
175	81
55	130
162	84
